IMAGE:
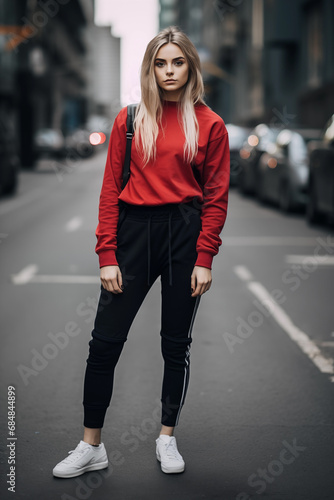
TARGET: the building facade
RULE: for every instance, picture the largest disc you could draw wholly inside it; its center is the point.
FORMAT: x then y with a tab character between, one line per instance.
103	71
262	60
54	67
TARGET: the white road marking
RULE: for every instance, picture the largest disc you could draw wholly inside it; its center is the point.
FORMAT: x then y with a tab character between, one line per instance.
73	224
243	273
319	260
327	343
302	340
25	276
66	278
273	241
28	275
325	365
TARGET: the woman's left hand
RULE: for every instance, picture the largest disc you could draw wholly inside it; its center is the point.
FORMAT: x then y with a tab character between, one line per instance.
201	280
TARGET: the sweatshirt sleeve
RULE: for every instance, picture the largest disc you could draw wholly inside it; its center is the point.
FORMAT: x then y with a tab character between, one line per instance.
106	231
216	179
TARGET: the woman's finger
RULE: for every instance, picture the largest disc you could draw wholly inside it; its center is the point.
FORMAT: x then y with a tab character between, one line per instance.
198	290
193	283
120	279
115	286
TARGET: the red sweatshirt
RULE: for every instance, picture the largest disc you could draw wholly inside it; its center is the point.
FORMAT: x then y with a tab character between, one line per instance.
168	180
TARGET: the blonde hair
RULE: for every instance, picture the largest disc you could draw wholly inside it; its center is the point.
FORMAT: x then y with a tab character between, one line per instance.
149	111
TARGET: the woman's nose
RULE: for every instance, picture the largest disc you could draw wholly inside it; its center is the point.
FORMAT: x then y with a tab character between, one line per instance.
169	69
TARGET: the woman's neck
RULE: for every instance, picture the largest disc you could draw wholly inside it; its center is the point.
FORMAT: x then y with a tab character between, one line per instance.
169	102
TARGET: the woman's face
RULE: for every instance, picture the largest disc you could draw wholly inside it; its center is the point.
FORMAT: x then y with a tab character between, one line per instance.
171	70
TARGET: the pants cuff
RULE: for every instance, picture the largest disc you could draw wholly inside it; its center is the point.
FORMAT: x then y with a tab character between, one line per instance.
94	418
170	414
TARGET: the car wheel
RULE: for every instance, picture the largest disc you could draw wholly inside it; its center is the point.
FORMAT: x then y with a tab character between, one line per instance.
260	190
241	183
285	198
10	185
312	214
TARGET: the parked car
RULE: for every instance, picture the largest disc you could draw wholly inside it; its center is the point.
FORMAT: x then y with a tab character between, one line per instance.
84	142
99	128
77	143
99	123
284	171
49	143
260	139
9	160
321	178
237	136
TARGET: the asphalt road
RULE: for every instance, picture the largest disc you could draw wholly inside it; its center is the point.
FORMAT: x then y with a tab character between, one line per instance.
258	419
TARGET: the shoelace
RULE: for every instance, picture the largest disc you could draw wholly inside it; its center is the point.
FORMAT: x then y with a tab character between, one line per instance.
73	455
171	450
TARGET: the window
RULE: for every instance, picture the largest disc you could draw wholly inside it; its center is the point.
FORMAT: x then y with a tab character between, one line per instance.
314	30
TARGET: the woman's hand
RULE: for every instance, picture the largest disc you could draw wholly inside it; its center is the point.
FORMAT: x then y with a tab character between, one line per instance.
201	280
111	279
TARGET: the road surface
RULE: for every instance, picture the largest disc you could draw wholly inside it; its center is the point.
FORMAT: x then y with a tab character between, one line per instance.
258	419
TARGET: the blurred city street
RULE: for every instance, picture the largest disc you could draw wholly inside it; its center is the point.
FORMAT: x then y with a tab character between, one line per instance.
253	391
258	419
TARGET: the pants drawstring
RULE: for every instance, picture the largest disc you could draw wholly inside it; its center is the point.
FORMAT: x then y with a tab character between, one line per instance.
170	247
148	248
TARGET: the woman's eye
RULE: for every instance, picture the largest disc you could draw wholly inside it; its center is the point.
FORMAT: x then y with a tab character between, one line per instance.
159	64
179	63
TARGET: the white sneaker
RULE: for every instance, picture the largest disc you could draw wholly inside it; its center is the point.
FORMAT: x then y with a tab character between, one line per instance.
168	454
84	458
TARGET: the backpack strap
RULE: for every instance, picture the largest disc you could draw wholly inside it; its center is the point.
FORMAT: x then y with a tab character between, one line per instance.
129	135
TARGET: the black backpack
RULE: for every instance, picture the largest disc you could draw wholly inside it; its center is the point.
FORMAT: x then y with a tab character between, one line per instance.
129	134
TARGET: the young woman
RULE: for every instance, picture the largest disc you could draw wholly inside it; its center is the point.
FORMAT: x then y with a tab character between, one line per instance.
173	209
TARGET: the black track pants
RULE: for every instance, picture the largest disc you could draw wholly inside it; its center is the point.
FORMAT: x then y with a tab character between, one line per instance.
152	241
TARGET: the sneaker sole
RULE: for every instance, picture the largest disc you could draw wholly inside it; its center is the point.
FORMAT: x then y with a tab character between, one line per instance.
88	468
169	471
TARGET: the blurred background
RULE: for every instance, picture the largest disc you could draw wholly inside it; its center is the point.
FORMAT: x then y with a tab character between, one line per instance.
263	350
67	67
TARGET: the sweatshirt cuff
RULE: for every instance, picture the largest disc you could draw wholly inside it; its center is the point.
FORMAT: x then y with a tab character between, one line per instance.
204	259
108	258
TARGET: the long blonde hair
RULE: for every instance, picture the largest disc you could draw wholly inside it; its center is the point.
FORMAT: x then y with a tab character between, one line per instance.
149	111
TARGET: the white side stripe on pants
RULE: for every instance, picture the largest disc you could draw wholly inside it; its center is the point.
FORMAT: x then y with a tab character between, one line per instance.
186	368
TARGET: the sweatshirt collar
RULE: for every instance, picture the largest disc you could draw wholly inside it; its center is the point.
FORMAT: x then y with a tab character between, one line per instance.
173	104
169	103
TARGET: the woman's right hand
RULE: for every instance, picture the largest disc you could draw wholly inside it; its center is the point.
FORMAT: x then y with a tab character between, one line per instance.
111	279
